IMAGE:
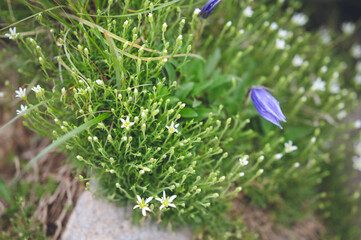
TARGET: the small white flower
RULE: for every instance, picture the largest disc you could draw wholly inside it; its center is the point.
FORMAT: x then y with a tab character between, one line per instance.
341	105
357	163
21	93
166	201
244	160
348	28
248	12
280	44
2	94
22	109
172	128
313	139
334	86
143	205
341	115
325	36
229	23
357	123
241	174
297	61
318	85
299	19
358	79
296	165
324	69
289	147
278	156
197	11
356	51
282	33
126	123
99	82
13	34
38	90
273	26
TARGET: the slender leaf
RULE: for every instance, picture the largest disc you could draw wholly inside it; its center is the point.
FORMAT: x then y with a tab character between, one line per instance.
20	115
188	113
4	191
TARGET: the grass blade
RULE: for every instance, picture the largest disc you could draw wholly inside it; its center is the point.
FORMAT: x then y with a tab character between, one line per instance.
20	115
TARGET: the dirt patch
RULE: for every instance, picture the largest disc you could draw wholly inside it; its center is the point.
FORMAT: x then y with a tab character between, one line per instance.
260	221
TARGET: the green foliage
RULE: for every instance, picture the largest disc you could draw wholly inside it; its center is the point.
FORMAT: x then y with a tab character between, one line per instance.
18	221
150	66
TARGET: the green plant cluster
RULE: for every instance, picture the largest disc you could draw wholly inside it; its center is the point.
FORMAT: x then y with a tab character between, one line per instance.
147	97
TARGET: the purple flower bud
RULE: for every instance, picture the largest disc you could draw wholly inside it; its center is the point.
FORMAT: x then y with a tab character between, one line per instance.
208	8
267	106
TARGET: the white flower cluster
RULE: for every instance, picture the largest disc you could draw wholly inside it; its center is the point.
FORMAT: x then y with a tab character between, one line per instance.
144	204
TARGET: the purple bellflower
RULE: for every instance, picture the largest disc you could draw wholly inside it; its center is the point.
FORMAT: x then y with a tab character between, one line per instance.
208	8
267	106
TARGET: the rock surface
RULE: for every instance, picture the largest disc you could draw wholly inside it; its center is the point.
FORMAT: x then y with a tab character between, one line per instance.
97	219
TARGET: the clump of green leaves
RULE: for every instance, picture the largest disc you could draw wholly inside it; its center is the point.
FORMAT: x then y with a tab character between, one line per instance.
151	101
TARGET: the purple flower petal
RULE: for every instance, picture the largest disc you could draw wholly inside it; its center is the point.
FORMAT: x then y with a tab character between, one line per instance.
208	8
267	106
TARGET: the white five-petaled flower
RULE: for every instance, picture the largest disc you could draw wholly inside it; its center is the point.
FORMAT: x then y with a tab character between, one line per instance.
299	19
318	85
99	82
126	123
22	109
38	90
143	205
172	128
297	61
278	156
166	201
244	160
289	147
280	43
248	12
21	93
13	34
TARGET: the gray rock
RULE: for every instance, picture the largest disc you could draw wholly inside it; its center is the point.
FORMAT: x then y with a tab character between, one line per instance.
97	219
